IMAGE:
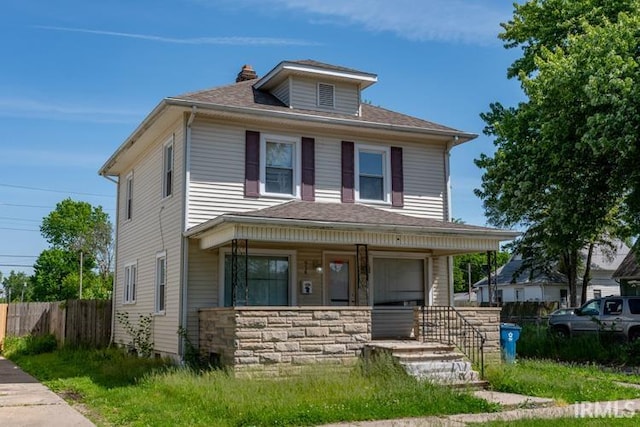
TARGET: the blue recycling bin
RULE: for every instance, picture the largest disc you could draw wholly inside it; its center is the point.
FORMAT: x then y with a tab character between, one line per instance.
509	335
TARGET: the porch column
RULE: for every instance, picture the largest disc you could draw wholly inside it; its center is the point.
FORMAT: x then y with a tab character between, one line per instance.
239	270
362	272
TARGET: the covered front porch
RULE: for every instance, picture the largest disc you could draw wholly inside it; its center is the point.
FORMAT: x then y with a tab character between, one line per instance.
311	282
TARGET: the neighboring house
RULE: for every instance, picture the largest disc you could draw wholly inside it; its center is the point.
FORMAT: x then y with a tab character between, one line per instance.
553	285
628	274
513	283
285	205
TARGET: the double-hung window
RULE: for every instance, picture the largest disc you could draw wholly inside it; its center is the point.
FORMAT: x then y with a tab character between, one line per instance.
161	281
373	182
167	173
130	281
129	197
280	166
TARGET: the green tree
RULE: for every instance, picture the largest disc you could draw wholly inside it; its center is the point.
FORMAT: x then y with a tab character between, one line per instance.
84	231
17	286
478	262
562	156
50	271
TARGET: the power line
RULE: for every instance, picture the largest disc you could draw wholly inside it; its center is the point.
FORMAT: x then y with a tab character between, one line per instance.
25	206
40	206
19	219
17	229
24	187
16	265
18	256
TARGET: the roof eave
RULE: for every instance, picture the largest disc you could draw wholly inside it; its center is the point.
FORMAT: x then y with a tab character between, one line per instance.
364	79
499	235
135	135
458	136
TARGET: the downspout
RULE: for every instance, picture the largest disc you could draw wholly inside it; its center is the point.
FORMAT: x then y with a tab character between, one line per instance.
447	177
185	219
115	262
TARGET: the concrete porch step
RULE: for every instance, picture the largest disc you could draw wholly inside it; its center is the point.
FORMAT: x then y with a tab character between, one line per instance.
432	361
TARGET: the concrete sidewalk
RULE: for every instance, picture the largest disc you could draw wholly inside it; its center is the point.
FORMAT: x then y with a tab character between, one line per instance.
26	402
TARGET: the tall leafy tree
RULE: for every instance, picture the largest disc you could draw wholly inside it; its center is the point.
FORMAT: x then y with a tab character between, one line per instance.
81	241
562	158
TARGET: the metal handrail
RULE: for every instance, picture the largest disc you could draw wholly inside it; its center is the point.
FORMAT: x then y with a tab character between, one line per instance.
447	325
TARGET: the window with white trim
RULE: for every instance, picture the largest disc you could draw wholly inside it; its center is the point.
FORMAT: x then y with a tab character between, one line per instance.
279	166
130	282
161	281
372	170
129	197
326	95
167	172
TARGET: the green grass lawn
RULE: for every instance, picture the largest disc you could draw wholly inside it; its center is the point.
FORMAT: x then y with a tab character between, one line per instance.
123	390
562	382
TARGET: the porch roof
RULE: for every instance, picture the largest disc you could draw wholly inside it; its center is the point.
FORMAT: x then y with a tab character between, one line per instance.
346	223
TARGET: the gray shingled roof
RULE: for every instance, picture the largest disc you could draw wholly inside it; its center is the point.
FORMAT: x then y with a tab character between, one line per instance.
505	275
244	95
629	268
352	213
318	64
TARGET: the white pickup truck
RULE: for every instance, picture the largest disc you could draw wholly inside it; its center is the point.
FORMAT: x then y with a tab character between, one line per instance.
614	314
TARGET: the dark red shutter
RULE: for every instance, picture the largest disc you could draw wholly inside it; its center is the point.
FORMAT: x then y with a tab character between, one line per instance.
252	164
348	172
308	170
397	177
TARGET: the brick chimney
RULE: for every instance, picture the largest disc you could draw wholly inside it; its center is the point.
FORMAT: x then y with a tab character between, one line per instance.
247	73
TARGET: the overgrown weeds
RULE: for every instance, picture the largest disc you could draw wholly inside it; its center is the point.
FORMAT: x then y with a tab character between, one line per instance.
28	345
126	390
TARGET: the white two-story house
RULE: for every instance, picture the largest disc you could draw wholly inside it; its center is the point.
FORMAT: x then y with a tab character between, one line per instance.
282	220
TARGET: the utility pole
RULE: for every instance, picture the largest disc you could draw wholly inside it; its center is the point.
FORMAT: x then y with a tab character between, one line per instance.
469	278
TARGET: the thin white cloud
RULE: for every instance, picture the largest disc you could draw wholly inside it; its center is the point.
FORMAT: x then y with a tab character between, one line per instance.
230	41
468	21
31	108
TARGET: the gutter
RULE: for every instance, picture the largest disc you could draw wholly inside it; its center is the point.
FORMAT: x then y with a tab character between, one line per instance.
400	229
310	118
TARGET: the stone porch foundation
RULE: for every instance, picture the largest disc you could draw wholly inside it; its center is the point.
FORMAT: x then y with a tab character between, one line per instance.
276	338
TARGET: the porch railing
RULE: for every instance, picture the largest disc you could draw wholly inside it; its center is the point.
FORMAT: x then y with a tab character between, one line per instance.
446	325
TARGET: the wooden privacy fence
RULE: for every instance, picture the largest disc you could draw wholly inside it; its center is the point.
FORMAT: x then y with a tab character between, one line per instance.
72	322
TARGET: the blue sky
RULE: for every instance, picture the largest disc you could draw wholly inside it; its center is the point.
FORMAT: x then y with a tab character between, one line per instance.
78	76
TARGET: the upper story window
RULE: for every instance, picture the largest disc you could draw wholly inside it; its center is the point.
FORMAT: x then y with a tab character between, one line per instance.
130	281
280	166
372	174
326	95
129	197
167	172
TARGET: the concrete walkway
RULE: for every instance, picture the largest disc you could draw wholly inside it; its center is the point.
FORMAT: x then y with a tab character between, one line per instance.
515	407
26	402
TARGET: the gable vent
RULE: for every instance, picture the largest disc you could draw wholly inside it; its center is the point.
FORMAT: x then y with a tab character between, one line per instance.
325	95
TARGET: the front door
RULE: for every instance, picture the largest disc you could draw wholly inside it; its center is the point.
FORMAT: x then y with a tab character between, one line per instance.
341	279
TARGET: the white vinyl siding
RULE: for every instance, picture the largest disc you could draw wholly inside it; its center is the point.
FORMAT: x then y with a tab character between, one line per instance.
202	286
217	172
156	224
304	94
282	92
